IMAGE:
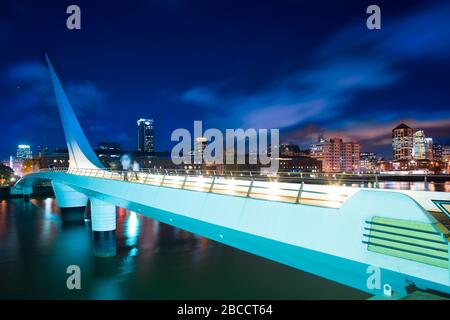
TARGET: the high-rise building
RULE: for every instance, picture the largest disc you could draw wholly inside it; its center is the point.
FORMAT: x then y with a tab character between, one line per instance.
368	162
199	147
42	150
429	149
317	149
145	135
350	156
24	152
402	142
289	150
437	152
419	145
446	154
336	155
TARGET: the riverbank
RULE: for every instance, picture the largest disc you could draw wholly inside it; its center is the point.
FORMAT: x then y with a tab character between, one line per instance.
38	191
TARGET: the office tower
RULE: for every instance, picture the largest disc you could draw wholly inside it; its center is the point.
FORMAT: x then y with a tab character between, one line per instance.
145	135
419	145
42	150
316	150
336	155
289	150
368	162
402	142
446	154
437	152
24	152
199	147
429	149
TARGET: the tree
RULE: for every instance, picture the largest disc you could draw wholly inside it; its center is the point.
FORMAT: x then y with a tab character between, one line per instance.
28	166
6	174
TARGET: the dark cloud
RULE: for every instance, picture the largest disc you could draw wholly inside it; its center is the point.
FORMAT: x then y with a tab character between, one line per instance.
303	66
33	89
326	91
30	106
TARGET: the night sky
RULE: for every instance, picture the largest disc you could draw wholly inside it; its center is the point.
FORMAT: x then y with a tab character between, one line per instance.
306	67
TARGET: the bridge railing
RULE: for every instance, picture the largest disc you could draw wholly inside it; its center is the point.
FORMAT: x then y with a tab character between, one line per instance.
244	184
303	188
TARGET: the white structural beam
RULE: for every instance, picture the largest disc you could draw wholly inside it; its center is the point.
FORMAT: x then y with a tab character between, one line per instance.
103	215
67	197
81	154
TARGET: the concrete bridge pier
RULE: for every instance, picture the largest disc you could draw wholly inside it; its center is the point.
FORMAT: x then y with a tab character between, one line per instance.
72	203
27	191
103	218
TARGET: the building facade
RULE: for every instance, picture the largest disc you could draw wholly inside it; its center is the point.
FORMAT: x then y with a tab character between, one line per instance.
289	150
402	142
337	155
429	149
145	135
368	162
24	152
437	152
446	155
300	164
200	144
419	145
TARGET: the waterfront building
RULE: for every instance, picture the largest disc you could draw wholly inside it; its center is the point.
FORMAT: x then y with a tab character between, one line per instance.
419	145
24	152
336	155
317	149
446	157
429	149
42	150
368	162
402	142
145	135
199	146
350	156
437	152
110	146
289	150
300	164
59	158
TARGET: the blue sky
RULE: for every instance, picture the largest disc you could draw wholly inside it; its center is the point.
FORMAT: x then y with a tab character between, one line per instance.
305	67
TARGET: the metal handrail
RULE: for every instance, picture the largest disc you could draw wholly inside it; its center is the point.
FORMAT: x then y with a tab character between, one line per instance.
236	184
244	173
288	187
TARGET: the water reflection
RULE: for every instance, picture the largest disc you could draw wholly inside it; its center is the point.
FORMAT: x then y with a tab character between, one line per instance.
132	229
154	261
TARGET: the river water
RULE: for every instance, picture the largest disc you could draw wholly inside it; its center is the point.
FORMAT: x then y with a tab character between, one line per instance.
154	261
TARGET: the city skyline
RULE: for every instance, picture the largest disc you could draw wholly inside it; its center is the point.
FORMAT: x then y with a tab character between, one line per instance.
344	81
321	137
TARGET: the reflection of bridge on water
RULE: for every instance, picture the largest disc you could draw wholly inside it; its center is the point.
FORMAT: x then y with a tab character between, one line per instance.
336	232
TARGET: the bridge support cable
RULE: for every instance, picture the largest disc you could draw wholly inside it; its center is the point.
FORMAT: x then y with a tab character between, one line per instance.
299	194
212	184
250	187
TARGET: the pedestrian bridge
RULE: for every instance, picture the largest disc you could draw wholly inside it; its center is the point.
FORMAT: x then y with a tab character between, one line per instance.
367	238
